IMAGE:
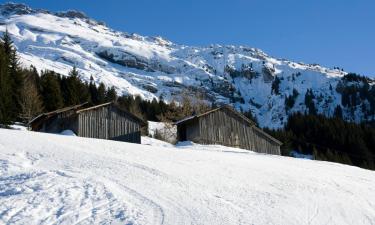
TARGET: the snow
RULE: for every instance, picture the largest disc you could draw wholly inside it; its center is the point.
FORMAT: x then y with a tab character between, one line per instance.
156	142
18	126
55	179
68	133
49	41
166	131
296	154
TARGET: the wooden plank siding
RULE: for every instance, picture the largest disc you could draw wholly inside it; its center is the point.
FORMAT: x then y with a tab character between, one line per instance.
108	122
60	122
226	128
105	121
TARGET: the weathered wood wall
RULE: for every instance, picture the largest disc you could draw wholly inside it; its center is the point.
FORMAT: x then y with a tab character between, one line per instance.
264	144
224	128
108	122
60	122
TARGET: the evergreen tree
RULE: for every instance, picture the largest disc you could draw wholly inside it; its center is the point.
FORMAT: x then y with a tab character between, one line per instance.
51	92
33	74
70	88
74	90
101	94
338	112
5	89
309	102
93	91
14	76
330	139
83	88
7	43
111	95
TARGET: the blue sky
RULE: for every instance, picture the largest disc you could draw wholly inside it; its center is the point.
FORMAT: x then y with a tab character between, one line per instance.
329	32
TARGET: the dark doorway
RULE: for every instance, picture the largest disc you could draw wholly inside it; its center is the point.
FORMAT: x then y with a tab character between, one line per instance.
182	133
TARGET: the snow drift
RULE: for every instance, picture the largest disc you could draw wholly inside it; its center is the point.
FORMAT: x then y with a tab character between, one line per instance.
55	179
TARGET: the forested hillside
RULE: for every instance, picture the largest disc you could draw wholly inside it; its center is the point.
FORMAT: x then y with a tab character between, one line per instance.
329	139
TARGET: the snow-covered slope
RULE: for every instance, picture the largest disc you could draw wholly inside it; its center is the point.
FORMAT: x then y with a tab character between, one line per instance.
55	179
152	66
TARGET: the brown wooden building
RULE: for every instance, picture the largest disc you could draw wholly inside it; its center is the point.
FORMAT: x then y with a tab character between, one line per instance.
105	121
226	126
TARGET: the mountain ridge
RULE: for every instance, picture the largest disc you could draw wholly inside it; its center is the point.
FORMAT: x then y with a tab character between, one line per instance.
153	67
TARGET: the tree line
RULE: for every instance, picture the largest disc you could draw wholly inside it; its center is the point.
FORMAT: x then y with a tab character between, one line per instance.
328	139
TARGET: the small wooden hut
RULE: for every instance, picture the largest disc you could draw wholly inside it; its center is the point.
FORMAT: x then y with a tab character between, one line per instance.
226	126
105	121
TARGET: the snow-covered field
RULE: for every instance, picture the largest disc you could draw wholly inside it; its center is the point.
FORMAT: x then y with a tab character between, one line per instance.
56	179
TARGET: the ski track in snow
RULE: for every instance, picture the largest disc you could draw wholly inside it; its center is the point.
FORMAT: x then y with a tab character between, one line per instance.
55	179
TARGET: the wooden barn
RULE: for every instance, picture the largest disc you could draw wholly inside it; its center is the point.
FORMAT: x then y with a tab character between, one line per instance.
105	121
226	126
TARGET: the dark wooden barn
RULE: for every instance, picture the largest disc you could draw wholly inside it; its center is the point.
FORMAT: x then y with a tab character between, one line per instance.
105	121
225	126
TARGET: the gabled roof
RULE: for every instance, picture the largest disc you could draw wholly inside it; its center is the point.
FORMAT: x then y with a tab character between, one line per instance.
94	107
58	111
79	109
112	103
225	107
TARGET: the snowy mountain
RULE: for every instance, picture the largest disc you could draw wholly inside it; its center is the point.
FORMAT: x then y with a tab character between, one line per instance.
54	179
152	67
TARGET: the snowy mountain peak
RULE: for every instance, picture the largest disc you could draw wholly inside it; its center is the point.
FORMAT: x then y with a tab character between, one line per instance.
72	14
11	8
151	67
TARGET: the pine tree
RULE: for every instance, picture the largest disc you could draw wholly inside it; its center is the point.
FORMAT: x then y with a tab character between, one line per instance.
5	89
14	76
51	92
338	112
7	43
111	95
135	107
34	76
70	88
84	90
93	91
309	102
101	94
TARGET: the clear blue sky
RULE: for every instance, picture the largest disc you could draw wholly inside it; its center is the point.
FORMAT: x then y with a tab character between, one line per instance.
329	32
